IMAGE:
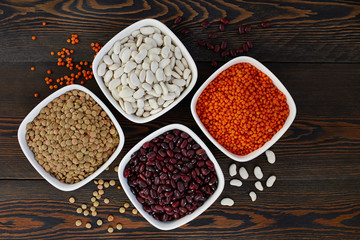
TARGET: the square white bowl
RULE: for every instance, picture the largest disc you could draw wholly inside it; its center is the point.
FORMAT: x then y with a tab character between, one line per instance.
179	222
30	155
277	83
126	32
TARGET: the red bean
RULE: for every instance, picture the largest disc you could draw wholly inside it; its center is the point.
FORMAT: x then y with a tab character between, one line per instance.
241	29
185	31
248	28
216	48
265	24
232	53
223	45
245	47
239	51
205	24
200	43
224	21
214	63
171	187
212	35
178	20
221	27
210	46
249	43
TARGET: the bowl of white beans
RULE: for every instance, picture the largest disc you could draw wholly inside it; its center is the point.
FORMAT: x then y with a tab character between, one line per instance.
145	70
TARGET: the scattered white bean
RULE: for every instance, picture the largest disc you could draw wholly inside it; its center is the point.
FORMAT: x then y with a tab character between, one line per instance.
227	202
259	186
232	170
258	173
235	182
252	196
270	181
270	156
243	173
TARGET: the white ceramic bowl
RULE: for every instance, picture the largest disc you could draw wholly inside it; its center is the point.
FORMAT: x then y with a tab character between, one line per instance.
126	32
30	155
277	83
179	222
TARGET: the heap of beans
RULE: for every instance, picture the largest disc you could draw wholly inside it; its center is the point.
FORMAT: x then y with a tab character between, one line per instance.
72	137
145	72
242	108
171	176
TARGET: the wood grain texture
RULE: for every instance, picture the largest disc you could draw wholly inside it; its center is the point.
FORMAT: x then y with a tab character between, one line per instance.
290	210
302	31
313	47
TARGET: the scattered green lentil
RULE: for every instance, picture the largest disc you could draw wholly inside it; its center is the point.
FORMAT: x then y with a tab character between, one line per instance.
110	229
99	222
106	184
83	206
112	182
126	205
88	225
106	200
122	210
78	223
96	203
72	200
79	210
118	226
86	213
110	218
134	211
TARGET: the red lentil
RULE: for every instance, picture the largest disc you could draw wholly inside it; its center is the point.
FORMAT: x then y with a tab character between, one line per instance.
242	109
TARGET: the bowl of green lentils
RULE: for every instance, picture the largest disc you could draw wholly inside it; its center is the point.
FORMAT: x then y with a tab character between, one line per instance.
70	137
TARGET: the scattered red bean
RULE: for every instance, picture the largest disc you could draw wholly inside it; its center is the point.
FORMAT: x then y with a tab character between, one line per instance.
216	48
248	28
175	185
200	42
223	45
212	35
185	31
239	51
232	53
205	24
221	27
178	20
225	53
214	63
245	47
210	46
265	24
249	44
241	29
224	21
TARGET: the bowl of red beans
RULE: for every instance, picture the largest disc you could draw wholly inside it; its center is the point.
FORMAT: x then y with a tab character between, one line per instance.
243	108
171	177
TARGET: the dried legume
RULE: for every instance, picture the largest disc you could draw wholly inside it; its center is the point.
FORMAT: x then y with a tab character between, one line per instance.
242	108
171	176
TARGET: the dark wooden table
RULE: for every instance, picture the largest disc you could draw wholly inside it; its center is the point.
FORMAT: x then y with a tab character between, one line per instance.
312	46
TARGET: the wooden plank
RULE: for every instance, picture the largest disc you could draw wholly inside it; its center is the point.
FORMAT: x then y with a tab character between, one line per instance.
290	209
325	134
312	31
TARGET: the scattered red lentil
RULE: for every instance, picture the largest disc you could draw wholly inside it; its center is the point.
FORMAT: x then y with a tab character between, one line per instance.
33	37
36	95
32	68
44	23
242	108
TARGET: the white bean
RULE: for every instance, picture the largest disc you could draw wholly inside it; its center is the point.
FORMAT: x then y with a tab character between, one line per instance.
179	82
169	96
243	173
117	47
159	74
154	66
128	108
113	84
129	66
232	169
140	103
149	77
118	72
167	103
163	63
134	80
186	73
147	30
252	196
115	58
139	112
153	103
146	114
157	37
102	69
258	173
107	59
235	182
259	186
157	88
114	66
270	156
227	202
108	75
139	94
155	111
270	181
177	53
125	56
164	89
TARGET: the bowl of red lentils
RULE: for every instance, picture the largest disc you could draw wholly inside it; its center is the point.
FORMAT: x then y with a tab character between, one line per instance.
171	177
243	108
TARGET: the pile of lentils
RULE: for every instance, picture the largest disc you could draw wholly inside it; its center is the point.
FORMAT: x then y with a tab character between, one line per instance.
72	137
171	176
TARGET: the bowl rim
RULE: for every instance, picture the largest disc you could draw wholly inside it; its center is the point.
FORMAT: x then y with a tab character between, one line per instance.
126	32
277	83
30	155
179	222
